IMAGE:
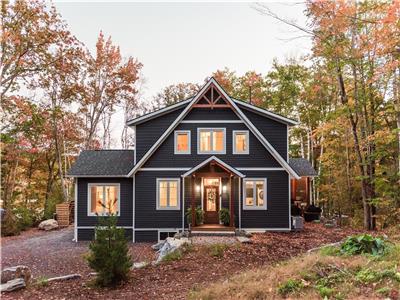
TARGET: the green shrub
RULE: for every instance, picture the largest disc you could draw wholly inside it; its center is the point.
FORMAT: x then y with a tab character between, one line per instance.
172	256
109	255
217	250
324	291
290	286
224	216
9	224
329	251
363	244
199	215
24	217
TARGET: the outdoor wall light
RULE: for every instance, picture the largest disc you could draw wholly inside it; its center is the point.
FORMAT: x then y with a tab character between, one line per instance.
224	188
197	188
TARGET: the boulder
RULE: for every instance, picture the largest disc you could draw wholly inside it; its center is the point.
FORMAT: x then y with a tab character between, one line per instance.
12	285
158	246
244	240
49	224
140	265
170	245
16	272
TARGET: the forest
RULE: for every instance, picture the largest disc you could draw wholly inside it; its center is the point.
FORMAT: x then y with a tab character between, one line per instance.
58	98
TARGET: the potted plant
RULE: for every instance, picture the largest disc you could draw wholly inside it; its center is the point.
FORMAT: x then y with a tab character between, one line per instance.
224	216
199	215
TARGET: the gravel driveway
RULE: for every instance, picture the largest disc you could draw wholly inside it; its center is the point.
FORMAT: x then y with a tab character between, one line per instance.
54	253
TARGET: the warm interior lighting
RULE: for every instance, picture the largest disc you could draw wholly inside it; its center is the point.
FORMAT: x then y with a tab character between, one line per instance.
224	189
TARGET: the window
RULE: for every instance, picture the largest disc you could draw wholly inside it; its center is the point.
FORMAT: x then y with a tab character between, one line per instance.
240	142
168	193
182	142
255	193
103	199
211	140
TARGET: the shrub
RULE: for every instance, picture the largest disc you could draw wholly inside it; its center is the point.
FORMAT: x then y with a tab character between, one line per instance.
224	216
24	217
172	256
217	250
363	244
290	286
9	224
109	255
199	215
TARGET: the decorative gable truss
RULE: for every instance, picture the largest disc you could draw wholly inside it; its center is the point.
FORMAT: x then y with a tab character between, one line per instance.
212	98
212	95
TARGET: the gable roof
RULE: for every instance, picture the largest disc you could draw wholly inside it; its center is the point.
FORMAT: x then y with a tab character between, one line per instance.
302	167
158	112
265	112
236	109
218	161
116	163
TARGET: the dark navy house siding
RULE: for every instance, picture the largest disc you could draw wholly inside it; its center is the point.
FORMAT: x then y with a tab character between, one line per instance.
126	198
149	221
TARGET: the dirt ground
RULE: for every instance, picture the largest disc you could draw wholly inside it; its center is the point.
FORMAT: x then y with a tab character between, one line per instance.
54	253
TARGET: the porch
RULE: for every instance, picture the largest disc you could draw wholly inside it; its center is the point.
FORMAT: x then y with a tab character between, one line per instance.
212	197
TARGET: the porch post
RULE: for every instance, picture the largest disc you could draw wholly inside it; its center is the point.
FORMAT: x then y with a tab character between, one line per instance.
193	202
230	202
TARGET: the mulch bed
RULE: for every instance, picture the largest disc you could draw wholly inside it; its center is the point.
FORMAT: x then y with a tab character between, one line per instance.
196	269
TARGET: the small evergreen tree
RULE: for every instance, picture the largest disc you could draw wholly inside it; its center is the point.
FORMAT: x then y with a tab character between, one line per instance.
109	255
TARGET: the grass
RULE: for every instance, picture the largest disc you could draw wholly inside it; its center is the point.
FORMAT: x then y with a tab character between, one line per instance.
42	281
326	274
178	254
217	250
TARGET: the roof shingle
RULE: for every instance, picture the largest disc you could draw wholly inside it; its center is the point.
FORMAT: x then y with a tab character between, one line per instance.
302	167
103	163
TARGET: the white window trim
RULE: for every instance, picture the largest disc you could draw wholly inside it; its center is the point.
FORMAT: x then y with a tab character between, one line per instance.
210	129
254	207
89	200
176	144
177	207
234	150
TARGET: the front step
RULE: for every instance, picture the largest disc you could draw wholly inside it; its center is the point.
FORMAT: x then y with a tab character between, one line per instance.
212	233
216	230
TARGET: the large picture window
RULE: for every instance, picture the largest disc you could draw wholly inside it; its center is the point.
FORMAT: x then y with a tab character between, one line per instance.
255	193
211	141
240	142
103	199
182	142
168	196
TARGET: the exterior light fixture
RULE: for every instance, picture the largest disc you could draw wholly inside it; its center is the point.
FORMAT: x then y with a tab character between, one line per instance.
197	188
224	188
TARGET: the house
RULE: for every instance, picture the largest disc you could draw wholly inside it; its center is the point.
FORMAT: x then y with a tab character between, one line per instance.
210	152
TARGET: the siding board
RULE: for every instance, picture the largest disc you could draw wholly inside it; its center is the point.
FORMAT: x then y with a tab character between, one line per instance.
125	218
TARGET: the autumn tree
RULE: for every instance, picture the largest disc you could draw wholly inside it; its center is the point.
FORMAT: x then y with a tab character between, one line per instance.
175	93
110	81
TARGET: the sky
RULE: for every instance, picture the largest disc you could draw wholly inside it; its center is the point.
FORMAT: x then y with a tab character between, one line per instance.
187	42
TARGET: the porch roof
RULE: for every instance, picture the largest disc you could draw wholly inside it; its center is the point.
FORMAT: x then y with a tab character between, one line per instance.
219	162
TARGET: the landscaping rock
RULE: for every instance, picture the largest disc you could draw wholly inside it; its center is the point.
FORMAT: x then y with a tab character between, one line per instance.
170	245
16	272
140	265
13	285
158	246
49	224
66	277
179	235
244	240
243	233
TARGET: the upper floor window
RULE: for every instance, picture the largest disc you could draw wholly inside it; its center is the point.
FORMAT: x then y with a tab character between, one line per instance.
103	199
211	141
182	142
168	193
254	193
240	142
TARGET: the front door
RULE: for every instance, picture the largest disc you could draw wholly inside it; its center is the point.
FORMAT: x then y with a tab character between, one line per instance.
211	204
